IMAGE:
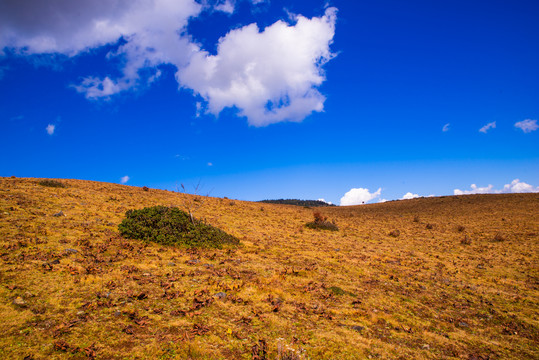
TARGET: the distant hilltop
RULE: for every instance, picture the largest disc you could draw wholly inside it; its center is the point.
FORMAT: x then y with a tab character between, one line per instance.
309	203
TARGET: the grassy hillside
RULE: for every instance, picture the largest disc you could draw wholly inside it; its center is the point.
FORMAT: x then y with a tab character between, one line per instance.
435	278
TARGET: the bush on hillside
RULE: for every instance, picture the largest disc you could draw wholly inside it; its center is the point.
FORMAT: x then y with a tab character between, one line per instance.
51	183
321	222
172	226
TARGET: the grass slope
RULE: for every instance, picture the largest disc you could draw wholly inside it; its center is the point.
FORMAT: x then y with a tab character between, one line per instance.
395	282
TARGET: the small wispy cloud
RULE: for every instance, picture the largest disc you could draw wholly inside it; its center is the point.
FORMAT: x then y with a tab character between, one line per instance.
487	127
226	7
446	127
124	179
199	109
50	129
527	125
210	164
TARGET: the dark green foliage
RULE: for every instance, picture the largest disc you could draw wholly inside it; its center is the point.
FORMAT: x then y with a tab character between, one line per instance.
51	183
309	203
172	226
321	222
337	290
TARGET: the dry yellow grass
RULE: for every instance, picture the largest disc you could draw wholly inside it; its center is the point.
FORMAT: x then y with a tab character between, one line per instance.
437	278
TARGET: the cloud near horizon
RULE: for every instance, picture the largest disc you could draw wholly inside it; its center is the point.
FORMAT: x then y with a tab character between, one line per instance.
269	76
516	186
124	179
359	196
409	196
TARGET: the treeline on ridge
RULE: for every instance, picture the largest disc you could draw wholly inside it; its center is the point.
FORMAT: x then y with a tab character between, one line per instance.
309	203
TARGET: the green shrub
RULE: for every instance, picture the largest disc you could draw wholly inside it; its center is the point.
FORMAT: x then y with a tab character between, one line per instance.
337	290
172	226
51	183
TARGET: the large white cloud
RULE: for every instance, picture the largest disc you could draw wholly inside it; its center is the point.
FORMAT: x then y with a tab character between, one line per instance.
358	196
151	31
516	186
270	76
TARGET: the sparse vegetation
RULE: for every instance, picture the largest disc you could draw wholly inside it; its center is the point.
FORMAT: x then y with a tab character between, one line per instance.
395	233
321	223
499	237
73	287
172	226
466	240
145	188
51	183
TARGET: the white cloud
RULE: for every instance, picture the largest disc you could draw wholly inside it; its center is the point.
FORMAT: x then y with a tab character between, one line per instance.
210	164
94	88
227	7
199	108
527	125
446	127
516	186
409	196
327	202
488	126
50	129
357	196
124	179
153	31
383	200
270	76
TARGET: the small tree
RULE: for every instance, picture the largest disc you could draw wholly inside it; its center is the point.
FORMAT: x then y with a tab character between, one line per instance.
192	202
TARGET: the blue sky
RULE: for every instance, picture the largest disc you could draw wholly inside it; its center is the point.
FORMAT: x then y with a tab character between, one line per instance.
342	100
